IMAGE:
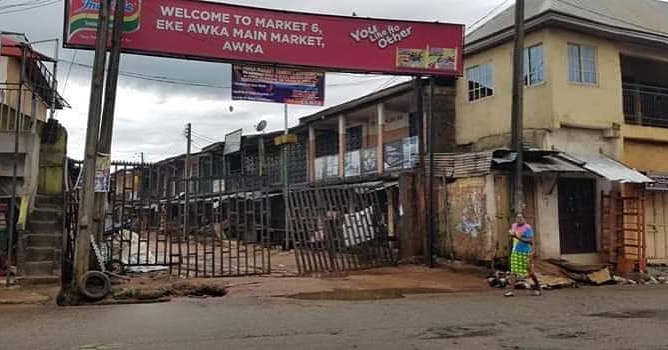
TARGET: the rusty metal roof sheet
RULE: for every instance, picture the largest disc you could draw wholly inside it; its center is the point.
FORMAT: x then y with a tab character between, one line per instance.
553	164
606	167
462	165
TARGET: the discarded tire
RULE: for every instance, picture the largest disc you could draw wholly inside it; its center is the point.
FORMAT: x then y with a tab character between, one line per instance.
95	285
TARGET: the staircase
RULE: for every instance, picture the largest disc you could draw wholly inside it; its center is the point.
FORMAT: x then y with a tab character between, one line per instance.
41	245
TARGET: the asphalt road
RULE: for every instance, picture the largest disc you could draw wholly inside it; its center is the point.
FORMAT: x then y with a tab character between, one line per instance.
586	318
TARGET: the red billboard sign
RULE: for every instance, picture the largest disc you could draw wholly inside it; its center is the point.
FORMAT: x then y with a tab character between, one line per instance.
237	34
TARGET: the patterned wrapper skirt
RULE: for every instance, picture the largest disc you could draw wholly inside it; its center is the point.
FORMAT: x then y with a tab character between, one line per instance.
519	264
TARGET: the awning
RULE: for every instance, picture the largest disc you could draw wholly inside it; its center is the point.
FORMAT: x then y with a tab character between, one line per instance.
553	164
606	167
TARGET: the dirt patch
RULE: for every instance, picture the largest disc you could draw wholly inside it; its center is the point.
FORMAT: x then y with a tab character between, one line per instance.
456	332
179	289
365	294
661	315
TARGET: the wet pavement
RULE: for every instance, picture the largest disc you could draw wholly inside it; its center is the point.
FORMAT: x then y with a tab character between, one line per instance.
616	317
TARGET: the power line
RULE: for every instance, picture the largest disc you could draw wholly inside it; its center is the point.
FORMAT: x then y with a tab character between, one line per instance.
69	71
488	14
183	82
26	8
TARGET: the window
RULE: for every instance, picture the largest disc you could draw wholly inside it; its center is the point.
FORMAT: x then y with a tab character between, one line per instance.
480	81
534	65
582	64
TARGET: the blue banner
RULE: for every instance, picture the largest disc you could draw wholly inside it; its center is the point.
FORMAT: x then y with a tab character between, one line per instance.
279	85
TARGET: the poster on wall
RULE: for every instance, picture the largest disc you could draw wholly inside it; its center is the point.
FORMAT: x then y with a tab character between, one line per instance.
410	152
369	161
102	173
393	153
353	164
320	168
271	84
219	32
332	164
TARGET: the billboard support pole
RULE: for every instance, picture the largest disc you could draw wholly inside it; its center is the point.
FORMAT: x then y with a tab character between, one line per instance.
286	185
82	249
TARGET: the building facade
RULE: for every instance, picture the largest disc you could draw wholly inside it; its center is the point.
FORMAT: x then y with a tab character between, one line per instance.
594	91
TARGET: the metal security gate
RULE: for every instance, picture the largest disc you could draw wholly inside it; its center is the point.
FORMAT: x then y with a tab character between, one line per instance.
226	232
339	228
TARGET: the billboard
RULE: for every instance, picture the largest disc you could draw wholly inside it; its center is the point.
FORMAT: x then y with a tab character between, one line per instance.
270	84
219	32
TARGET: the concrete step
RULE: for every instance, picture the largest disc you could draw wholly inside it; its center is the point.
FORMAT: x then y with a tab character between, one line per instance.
46	214
38	280
44	226
44	240
35	254
48	201
44	268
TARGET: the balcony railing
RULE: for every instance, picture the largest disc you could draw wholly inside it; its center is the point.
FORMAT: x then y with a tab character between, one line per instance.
645	105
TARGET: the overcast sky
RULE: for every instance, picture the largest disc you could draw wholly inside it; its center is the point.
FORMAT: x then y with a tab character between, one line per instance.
150	116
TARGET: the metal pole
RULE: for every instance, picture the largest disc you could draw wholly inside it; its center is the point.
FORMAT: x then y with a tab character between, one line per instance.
17	132
430	192
107	124
422	171
86	206
186	174
54	84
517	124
286	183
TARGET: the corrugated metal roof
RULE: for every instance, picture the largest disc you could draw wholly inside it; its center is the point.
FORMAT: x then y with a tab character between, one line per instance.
462	165
553	164
641	16
606	167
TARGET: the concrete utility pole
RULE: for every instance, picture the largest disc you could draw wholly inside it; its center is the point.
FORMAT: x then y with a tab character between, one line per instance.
107	127
86	205
517	122
186	174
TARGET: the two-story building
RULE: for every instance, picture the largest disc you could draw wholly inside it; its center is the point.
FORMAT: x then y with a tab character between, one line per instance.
595	91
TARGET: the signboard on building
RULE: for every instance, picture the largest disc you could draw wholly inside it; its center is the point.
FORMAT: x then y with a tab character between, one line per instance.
369	161
353	165
233	142
271	84
239	34
401	154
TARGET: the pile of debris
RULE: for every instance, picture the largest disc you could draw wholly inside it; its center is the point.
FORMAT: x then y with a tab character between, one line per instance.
556	274
655	275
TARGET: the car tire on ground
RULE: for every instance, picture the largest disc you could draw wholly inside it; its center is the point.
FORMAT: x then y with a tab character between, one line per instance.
95	285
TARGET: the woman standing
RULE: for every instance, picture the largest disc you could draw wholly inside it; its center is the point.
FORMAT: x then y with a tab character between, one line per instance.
522	256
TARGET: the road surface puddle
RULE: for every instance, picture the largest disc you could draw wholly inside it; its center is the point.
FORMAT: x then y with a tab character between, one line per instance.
366	294
634	314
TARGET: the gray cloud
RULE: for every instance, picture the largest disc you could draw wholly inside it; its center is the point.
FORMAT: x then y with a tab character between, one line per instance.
151	115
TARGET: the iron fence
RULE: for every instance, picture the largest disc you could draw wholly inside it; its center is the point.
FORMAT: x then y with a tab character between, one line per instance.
645	105
339	228
205	234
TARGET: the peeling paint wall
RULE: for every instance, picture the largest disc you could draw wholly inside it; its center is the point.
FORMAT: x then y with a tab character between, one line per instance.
470	202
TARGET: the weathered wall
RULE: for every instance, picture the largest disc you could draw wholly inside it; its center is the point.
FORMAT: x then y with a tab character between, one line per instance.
469	218
491	115
51	164
583	141
547	217
646	156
